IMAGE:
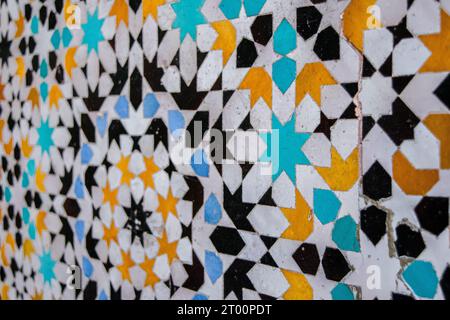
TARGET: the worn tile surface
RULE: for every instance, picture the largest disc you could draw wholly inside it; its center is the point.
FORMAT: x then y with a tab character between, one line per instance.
343	193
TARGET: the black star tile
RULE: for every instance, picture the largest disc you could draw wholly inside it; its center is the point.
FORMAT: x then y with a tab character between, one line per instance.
236	279
400	32
400	125
325	125
137	220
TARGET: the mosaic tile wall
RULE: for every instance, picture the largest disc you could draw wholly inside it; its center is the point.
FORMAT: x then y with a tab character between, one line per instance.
94	96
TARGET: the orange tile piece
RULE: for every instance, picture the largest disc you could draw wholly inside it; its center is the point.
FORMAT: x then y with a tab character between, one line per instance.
439	125
411	180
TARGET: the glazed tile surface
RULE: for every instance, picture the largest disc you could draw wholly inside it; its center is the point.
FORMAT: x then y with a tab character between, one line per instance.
343	193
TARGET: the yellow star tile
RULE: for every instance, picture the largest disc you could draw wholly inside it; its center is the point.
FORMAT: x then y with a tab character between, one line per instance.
167	248
4	292
110	234
33	97
226	40
299	289
122	165
356	19
124	268
120	10
150	169
167	205
151	278
40	222
2	124
69	60
343	173
20	24
28	248
301	222
5	261
8	146
2	86
26	147
20	68
38	296
110	196
259	83
150	7
40	179
55	95
310	81
67	13
10	241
